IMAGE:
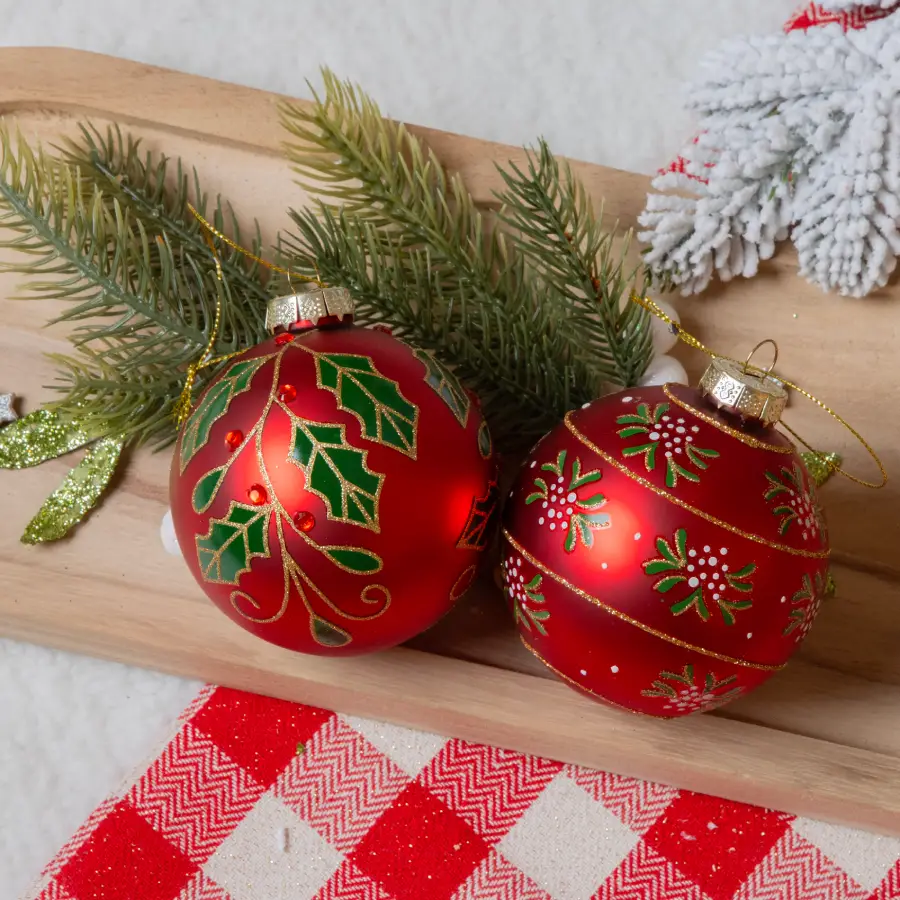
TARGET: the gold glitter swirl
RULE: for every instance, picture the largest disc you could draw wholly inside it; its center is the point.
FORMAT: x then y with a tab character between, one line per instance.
624	617
587	690
747	439
774	545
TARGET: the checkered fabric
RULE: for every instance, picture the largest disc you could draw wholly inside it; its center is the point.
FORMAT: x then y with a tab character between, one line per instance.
260	799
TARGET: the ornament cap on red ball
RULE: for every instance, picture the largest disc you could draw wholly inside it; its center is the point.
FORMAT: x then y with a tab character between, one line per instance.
334	487
664	550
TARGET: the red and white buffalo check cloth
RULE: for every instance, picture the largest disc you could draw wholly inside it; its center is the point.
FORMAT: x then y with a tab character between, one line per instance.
260	799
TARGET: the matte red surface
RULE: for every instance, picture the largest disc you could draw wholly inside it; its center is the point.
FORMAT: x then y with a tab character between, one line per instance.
614	659
424	505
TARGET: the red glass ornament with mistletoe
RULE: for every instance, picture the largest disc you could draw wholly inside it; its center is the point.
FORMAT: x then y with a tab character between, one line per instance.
333	488
664	550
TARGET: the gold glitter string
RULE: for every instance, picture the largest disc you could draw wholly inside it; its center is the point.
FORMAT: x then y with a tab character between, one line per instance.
691	341
183	406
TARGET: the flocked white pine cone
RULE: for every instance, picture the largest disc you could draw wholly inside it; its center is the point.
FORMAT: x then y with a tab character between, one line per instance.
799	136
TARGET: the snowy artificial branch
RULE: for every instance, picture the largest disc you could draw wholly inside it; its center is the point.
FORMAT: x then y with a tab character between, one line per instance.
799	137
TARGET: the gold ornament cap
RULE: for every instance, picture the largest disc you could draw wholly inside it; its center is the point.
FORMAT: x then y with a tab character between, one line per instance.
751	394
308	308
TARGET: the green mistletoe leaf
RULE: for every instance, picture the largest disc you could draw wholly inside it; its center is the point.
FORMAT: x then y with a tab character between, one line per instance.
580	480
540	494
227	549
655	566
595	502
337	472
206	489
446	385
215	403
664	585
386	416
557	467
631	432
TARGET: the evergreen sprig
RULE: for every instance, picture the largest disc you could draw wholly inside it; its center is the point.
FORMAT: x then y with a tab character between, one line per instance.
552	221
141	300
521	336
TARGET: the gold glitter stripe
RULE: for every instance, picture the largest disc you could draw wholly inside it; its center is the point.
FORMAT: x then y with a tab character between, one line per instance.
587	690
743	438
626	618
774	545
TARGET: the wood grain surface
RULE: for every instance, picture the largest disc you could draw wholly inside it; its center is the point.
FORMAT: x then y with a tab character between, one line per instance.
820	739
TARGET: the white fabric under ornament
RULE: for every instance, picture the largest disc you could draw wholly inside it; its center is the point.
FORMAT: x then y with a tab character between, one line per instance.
799	135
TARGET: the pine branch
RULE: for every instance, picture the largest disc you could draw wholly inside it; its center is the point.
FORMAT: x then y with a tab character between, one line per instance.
137	323
517	327
495	354
552	222
158	198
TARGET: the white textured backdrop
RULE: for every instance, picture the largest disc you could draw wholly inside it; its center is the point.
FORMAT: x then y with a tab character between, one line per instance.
601	80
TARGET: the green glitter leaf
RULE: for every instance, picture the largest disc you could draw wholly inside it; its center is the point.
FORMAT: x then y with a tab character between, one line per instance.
215	404
227	549
337	472
77	495
446	385
354	559
37	437
206	489
386	416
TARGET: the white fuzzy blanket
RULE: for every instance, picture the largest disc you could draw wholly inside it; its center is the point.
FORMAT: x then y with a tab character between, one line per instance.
600	80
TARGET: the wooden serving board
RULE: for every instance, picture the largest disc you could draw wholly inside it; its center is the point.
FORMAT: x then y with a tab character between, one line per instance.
821	739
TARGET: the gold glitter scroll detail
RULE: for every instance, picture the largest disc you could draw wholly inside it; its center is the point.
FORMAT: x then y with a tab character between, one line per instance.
810	554
626	618
37	437
77	495
821	466
587	690
747	439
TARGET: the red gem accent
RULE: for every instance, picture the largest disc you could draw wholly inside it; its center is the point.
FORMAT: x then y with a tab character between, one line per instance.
384	329
234	439
305	521
284	337
287	393
257	495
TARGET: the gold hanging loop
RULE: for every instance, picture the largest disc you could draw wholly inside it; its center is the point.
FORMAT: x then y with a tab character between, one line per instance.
691	341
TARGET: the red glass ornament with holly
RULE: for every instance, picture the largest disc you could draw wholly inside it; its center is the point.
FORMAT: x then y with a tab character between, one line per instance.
664	550
333	487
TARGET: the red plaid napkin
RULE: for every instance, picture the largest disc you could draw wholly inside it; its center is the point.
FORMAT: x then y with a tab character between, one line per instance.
260	799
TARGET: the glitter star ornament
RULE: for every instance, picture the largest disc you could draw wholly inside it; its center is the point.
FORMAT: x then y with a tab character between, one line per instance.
798	137
7	413
663	549
333	489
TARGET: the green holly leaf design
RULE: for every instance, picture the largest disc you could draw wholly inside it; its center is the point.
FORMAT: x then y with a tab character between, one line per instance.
650	424
206	489
215	403
539	494
227	549
386	416
694	600
556	467
446	385
582	527
675	566
530	618
579	480
337	472
354	559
